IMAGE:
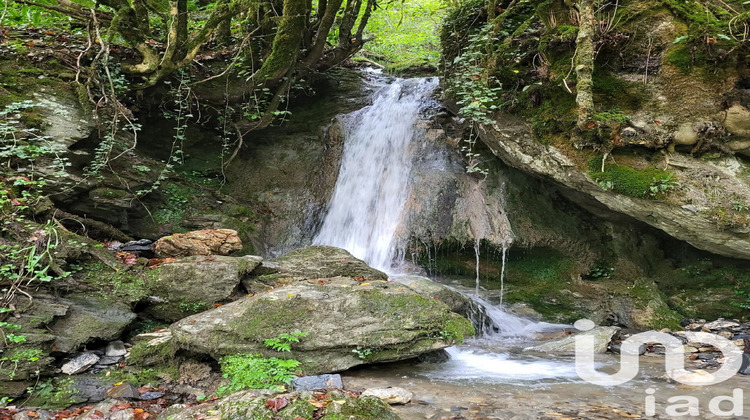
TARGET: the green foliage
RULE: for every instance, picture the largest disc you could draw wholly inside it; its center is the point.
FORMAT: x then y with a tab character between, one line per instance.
612	117
53	394
253	371
362	353
645	183
600	273
283	342
406	32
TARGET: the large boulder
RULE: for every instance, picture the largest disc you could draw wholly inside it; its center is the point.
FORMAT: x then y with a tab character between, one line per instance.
199	242
347	322
193	284
314	262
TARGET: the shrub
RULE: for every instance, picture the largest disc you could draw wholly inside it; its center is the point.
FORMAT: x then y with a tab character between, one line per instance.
253	371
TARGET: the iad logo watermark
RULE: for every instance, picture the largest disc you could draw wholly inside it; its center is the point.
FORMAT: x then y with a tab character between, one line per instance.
674	362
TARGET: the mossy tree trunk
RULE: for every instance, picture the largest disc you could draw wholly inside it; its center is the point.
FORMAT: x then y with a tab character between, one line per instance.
584	63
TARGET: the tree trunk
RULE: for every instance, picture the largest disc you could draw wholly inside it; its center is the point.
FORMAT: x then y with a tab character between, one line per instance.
584	63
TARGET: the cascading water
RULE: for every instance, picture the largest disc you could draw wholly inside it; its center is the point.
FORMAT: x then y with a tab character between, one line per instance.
368	201
367	211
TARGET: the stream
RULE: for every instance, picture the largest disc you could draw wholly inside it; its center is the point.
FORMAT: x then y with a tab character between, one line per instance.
489	376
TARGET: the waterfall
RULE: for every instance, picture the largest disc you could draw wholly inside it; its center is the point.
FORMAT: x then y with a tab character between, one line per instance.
366	208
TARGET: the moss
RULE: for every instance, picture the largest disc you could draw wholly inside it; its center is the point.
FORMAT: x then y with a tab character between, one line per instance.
139	377
143	354
681	58
643	183
278	315
120	286
363	408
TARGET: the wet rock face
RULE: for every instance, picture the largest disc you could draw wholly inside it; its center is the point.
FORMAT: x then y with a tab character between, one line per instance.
348	323
201	242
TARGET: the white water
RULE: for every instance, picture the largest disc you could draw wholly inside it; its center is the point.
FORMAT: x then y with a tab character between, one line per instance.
365	211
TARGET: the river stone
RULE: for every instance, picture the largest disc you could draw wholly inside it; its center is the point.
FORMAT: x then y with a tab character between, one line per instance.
193	284
390	395
309	383
602	337
199	242
80	363
90	318
384	321
115	348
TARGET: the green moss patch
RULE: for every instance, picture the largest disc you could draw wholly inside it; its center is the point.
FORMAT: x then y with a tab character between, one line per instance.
641	183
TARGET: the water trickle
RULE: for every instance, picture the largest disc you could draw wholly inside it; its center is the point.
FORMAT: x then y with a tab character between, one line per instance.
502	273
476	252
365	211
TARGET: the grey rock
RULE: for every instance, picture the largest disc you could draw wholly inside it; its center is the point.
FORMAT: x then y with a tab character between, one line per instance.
152	395
309	383
90	318
108	360
602	337
115	348
390	395
745	367
80	363
90	388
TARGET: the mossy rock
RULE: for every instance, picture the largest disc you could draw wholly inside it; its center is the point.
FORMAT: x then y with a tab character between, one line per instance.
252	405
348	323
314	262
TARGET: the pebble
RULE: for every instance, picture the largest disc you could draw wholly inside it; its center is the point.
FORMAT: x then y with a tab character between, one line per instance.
80	363
390	395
